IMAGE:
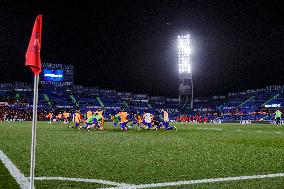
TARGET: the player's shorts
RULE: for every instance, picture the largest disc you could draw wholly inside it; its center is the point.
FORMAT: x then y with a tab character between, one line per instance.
122	125
95	121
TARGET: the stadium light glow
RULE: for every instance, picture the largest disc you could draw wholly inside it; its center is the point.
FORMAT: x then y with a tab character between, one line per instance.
184	52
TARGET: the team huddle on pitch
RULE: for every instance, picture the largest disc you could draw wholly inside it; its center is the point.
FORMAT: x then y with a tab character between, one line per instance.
96	121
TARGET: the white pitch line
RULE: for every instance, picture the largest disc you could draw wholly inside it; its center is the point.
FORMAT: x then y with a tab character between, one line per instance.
24	183
106	182
14	171
218	129
278	132
202	181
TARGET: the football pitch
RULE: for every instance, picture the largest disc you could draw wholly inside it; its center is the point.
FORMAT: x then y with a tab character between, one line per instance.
195	156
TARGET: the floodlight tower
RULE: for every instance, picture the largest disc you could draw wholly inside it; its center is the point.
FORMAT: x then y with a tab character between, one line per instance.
185	71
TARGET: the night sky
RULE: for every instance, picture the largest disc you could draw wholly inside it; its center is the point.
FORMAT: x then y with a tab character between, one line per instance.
131	45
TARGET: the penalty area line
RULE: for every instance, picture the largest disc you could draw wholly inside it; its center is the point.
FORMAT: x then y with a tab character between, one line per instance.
14	171
202	181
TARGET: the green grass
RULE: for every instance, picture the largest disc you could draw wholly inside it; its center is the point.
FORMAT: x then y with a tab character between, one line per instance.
67	185
197	151
272	183
6	180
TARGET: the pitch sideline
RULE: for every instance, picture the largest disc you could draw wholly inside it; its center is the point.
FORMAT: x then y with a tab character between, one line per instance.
202	181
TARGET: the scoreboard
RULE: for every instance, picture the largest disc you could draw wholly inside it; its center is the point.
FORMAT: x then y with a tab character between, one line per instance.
57	74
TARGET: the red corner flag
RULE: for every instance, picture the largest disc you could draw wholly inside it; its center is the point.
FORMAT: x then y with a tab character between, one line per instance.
33	51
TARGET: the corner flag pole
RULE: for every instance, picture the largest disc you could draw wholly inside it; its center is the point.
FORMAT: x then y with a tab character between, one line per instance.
33	145
34	62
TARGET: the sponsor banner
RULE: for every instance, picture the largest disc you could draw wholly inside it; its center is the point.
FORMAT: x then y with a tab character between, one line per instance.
7	86
58	106
272	105
124	94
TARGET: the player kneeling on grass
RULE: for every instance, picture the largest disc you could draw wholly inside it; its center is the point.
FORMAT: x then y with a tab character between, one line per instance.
66	116
101	112
123	120
96	122
137	120
156	124
115	119
88	122
166	121
77	119
147	120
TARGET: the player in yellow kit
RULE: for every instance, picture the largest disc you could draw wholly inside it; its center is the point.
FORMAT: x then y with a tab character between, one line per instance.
59	117
166	121
66	116
100	113
123	120
89	114
137	120
50	117
77	119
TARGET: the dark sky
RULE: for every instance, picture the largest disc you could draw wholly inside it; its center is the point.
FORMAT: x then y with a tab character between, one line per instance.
131	45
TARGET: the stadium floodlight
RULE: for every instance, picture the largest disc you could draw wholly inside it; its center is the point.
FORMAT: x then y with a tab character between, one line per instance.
184	52
185	72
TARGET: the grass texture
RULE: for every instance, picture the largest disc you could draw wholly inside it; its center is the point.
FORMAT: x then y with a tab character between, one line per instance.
194	151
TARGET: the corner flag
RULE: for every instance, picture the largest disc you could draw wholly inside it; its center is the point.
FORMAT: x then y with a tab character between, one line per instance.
33	51
34	62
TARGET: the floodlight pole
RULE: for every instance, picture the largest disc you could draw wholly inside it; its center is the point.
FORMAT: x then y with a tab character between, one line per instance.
33	145
191	103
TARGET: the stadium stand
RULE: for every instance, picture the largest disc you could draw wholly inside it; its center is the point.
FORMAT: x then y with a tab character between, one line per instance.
257	104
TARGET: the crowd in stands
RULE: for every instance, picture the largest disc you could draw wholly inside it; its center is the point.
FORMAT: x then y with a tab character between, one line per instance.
258	116
12	114
18	106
